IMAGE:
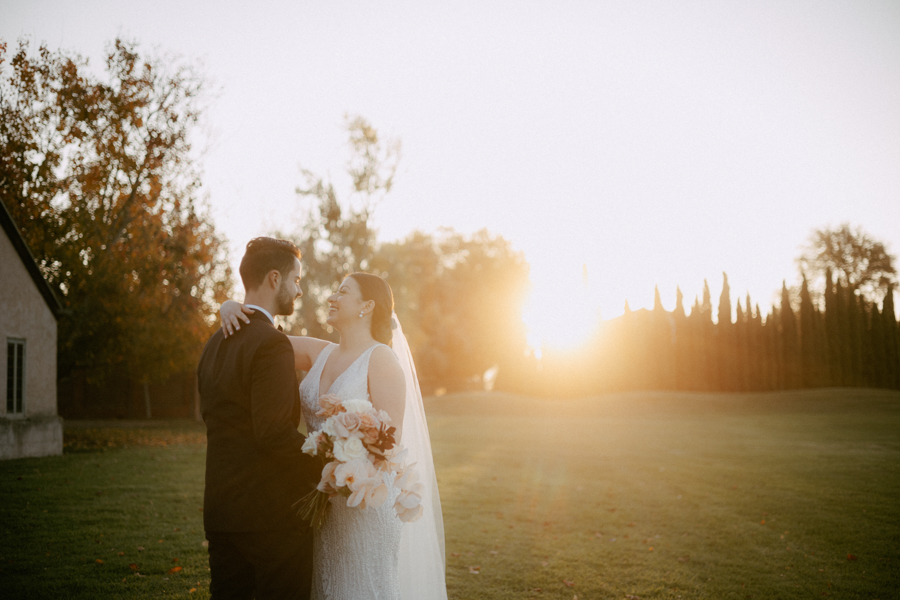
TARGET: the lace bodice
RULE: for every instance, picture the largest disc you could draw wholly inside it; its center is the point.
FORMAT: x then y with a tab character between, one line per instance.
356	551
352	383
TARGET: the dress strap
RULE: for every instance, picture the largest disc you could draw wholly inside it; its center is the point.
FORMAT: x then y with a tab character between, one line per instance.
364	364
365	356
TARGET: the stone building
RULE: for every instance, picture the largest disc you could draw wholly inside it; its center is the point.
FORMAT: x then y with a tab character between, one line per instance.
29	423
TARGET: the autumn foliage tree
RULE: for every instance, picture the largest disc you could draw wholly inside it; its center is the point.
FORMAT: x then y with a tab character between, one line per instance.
460	299
100	175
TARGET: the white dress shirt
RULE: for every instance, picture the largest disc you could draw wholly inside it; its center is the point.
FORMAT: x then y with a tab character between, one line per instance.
261	309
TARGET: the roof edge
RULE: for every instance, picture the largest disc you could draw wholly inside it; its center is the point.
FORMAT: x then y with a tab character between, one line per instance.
18	242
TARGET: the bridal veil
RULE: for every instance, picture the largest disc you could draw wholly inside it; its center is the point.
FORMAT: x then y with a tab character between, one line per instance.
422	558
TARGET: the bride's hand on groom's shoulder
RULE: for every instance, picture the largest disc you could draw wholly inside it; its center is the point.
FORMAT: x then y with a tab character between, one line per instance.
231	313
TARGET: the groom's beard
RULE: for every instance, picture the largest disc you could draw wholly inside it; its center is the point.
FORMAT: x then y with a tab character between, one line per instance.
284	302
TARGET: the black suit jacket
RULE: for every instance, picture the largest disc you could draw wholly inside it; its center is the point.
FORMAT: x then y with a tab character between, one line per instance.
250	402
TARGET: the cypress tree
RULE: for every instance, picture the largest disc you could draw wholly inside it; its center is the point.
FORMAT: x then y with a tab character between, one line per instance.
855	329
775	361
843	319
706	337
679	303
682	348
750	344
662	342
789	342
631	351
808	338
766	350
892	340
757	350
763	349
696	361
725	331
877	348
706	307
868	371
833	341
821	347
725	302
740	349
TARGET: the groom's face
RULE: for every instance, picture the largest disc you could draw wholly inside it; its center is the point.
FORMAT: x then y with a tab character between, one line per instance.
288	291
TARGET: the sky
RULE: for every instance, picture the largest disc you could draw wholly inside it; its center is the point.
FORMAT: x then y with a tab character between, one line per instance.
648	143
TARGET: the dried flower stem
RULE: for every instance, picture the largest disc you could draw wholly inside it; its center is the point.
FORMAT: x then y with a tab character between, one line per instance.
313	507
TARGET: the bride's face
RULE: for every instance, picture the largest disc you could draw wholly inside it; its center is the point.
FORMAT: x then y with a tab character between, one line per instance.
346	303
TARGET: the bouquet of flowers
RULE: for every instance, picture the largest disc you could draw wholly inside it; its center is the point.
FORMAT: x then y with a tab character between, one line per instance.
356	445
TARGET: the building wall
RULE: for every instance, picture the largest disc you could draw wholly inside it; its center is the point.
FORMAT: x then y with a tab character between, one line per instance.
24	314
33	436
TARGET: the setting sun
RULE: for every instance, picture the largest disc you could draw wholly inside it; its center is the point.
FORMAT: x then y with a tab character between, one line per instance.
562	310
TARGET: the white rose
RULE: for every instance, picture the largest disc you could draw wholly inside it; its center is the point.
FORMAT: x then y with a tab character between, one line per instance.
328	428
311	445
349	449
357	406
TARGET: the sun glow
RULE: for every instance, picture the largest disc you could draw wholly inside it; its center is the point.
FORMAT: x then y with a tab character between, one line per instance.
562	310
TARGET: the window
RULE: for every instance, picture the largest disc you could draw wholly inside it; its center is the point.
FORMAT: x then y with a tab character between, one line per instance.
15	376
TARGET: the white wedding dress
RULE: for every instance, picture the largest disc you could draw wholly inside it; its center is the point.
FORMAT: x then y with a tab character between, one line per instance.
356	552
370	554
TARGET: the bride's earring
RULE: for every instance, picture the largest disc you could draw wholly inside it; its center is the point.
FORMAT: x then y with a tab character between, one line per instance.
360	314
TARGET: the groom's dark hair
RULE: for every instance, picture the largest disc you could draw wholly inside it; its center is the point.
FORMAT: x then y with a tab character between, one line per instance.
264	254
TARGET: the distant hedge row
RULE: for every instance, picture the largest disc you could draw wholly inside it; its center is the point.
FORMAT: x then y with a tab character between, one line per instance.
844	340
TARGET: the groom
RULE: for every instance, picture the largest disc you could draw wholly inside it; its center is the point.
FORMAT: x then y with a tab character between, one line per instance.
255	468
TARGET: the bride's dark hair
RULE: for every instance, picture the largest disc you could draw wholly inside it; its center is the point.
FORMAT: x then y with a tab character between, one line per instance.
373	287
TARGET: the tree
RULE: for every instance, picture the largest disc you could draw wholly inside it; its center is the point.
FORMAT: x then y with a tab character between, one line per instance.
334	237
740	362
811	342
679	304
835	323
100	175
725	332
860	263
844	303
684	355
661	351
459	298
789	342
705	331
892	340
772	352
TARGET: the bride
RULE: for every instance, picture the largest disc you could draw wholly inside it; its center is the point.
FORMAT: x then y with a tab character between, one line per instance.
362	554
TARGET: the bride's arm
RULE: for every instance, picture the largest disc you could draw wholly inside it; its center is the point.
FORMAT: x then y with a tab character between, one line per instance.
387	386
306	349
231	313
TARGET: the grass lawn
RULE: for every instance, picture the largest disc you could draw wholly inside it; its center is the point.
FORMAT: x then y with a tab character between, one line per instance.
649	495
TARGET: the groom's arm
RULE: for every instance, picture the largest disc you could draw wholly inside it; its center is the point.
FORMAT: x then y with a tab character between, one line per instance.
272	393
